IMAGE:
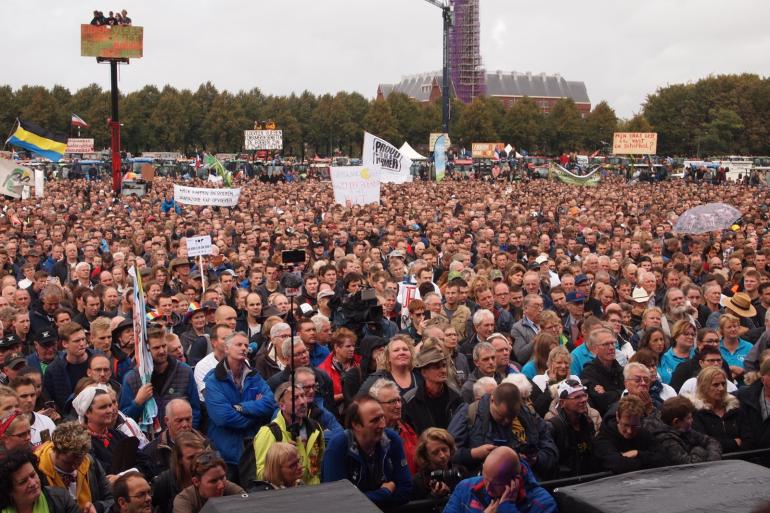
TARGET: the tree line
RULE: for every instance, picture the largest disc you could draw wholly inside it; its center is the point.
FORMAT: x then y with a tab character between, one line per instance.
724	114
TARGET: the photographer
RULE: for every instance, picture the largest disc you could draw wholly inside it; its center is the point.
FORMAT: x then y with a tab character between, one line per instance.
436	475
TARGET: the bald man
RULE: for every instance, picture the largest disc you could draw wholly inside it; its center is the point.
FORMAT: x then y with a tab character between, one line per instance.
506	485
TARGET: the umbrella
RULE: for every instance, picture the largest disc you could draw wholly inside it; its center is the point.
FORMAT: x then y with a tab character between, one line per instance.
710	217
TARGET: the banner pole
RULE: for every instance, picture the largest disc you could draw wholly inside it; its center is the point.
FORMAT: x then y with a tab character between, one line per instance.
203	275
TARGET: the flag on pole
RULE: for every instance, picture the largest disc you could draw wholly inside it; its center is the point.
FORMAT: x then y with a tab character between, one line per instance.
149	422
38	140
78	121
212	162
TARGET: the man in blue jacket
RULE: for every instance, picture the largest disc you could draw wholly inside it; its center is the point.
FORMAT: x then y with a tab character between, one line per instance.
238	400
369	456
506	485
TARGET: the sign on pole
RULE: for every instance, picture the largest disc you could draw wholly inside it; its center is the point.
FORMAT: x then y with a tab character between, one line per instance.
634	143
436	135
80	145
111	41
439	158
198	246
355	185
263	139
485	150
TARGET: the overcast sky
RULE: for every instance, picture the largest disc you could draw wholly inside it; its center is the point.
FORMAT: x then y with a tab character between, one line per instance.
623	50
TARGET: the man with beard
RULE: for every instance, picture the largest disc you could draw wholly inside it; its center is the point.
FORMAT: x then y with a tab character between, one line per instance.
677	308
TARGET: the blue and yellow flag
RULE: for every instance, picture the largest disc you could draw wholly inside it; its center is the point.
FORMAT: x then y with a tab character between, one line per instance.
38	140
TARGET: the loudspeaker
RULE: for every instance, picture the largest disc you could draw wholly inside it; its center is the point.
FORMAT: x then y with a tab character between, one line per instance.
734	486
337	497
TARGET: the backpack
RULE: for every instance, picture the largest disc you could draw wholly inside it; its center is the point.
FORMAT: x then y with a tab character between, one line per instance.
247	464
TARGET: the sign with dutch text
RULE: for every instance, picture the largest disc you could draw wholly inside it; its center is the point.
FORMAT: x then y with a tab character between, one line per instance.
80	145
111	41
263	139
355	185
206	197
634	143
198	246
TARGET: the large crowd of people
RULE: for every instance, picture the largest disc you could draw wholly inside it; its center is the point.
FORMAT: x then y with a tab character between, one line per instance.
461	341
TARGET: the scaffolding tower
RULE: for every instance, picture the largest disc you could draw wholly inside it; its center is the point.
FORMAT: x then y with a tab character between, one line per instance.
466	70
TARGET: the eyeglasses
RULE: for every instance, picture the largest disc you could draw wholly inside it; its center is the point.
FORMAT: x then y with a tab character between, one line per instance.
640	379
141	496
392	402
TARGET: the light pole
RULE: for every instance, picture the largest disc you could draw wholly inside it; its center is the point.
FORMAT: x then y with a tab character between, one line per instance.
446	13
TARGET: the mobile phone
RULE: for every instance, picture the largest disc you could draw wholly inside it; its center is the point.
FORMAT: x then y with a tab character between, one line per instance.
500	442
427	315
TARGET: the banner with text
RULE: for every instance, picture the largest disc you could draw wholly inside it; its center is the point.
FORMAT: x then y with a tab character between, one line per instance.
208	197
80	145
263	139
381	156
355	185
634	143
198	246
439	157
13	178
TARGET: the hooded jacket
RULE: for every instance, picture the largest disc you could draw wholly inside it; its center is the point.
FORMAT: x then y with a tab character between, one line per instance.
91	483
758	430
682	448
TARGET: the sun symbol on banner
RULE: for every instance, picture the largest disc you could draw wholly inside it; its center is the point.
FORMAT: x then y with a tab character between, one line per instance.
365	173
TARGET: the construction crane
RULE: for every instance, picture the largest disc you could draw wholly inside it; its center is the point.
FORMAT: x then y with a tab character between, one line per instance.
447	15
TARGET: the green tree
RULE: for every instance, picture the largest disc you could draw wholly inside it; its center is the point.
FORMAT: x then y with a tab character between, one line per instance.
522	126
721	132
380	121
563	127
599	125
8	109
476	124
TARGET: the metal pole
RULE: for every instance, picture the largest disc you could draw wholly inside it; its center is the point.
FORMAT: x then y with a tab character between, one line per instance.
115	129
447	15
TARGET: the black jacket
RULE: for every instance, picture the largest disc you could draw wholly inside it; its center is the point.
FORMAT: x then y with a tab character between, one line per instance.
724	429
576	448
757	430
690	369
610	378
418	414
683	448
609	447
59	500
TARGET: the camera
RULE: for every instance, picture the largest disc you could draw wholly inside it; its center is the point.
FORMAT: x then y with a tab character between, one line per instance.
449	476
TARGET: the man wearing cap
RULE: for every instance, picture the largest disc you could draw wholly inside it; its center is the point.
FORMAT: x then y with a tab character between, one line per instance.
12	363
432	402
576	313
45	351
180	271
573	429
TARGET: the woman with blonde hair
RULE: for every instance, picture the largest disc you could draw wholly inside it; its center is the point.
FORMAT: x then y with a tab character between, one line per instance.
683	334
396	363
282	467
717	413
557	369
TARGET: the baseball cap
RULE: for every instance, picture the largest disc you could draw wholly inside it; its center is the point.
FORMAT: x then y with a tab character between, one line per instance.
575	296
396	253
14	360
580	278
325	293
228	271
209	305
569	386
47	338
496	274
195	274
9	341
541	258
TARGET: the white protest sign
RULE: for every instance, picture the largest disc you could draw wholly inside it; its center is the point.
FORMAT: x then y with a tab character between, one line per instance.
355	184
380	155
203	196
198	246
80	145
39	183
263	139
13	178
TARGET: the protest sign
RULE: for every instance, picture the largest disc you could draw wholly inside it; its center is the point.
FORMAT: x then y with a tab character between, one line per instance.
198	246
204	196
148	172
13	178
381	156
634	143
355	184
263	139
80	145
39	183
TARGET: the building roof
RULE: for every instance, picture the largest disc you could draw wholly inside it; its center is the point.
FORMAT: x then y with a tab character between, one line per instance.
498	84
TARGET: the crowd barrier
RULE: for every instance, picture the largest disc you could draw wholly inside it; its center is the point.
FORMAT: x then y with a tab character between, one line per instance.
436	505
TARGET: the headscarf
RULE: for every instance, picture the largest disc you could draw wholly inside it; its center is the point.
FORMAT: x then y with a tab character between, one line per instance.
85	398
